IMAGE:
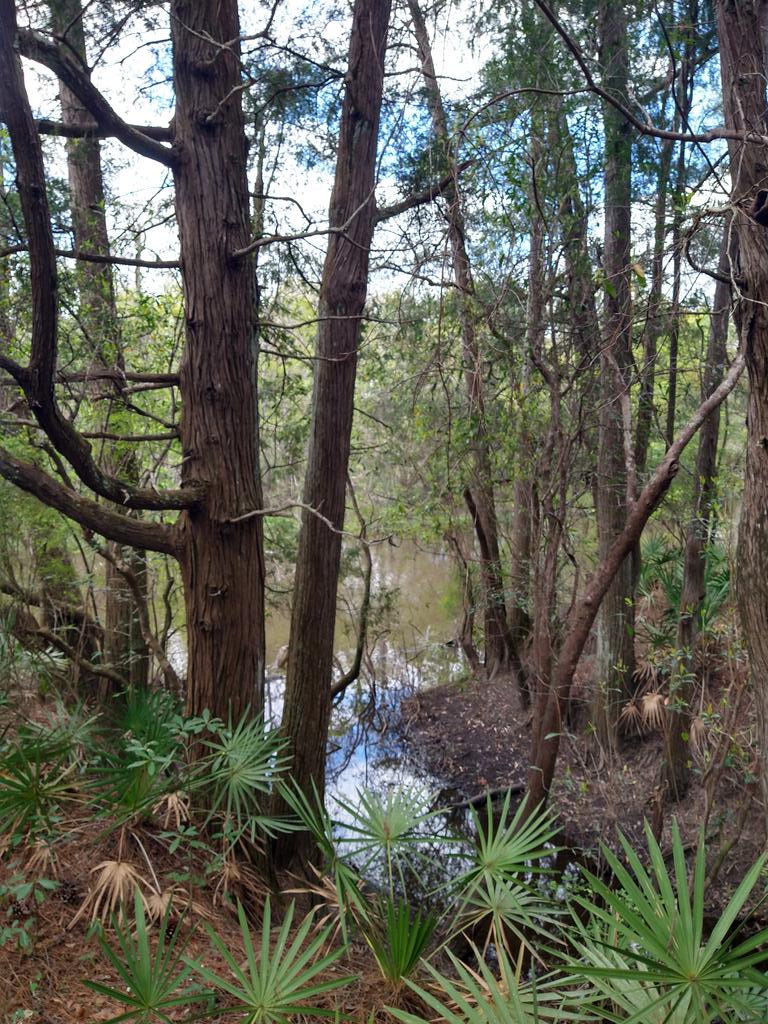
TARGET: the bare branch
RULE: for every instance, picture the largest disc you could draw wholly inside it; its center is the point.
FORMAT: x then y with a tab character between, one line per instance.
37	380
170	380
95	131
37	48
95	257
422	198
644	127
139	533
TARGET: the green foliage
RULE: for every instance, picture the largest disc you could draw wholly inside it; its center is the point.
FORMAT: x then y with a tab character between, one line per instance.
140	759
32	790
276	982
496	892
155	981
389	826
480	997
242	765
652	958
662	568
67	732
346	881
20	899
399	937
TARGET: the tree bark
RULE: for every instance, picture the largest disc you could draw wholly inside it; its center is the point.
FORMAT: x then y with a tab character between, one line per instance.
741	29
343	293
655	322
124	646
222	561
615	630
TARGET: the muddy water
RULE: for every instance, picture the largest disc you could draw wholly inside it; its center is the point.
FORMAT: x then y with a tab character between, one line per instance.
422	590
410	648
417	602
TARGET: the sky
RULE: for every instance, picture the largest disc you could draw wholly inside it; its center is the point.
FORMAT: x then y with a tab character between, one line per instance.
130	75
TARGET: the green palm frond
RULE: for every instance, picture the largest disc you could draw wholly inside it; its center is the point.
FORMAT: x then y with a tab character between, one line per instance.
238	773
654	937
480	997
32	791
509	847
398	937
153	982
389	826
275	982
313	816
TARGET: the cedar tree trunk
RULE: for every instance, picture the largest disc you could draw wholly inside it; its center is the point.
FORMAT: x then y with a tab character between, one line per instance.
221	554
741	29
342	299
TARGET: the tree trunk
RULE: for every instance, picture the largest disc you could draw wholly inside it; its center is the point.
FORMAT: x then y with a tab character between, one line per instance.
342	299
615	630
221	552
124	647
741	28
676	770
500	651
655	322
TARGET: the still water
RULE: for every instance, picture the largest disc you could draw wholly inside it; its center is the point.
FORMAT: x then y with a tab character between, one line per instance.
410	647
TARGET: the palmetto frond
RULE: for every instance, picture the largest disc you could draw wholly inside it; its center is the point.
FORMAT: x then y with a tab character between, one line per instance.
117	884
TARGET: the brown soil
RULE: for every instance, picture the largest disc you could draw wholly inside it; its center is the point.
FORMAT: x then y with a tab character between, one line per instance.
45	985
475	738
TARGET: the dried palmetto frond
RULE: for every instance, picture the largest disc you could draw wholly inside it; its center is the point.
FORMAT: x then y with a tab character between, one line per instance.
116	884
42	860
325	895
699	739
238	878
174	809
631	718
174	900
646	676
653	705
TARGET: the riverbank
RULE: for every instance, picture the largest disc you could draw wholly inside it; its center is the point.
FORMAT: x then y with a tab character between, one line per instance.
474	737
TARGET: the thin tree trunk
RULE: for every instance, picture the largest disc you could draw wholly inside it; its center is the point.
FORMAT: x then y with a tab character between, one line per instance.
742	28
615	631
521	541
342	299
221	553
655	322
676	771
500	651
124	646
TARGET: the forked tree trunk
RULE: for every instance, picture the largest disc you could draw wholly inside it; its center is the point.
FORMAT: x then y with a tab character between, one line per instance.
221	553
742	26
500	651
615	630
342	299
124	646
676	770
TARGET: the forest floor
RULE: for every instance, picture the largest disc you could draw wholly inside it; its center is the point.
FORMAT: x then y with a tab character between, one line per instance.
45	984
475	737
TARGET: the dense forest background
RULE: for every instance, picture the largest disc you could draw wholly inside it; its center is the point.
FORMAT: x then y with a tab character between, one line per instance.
384	369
